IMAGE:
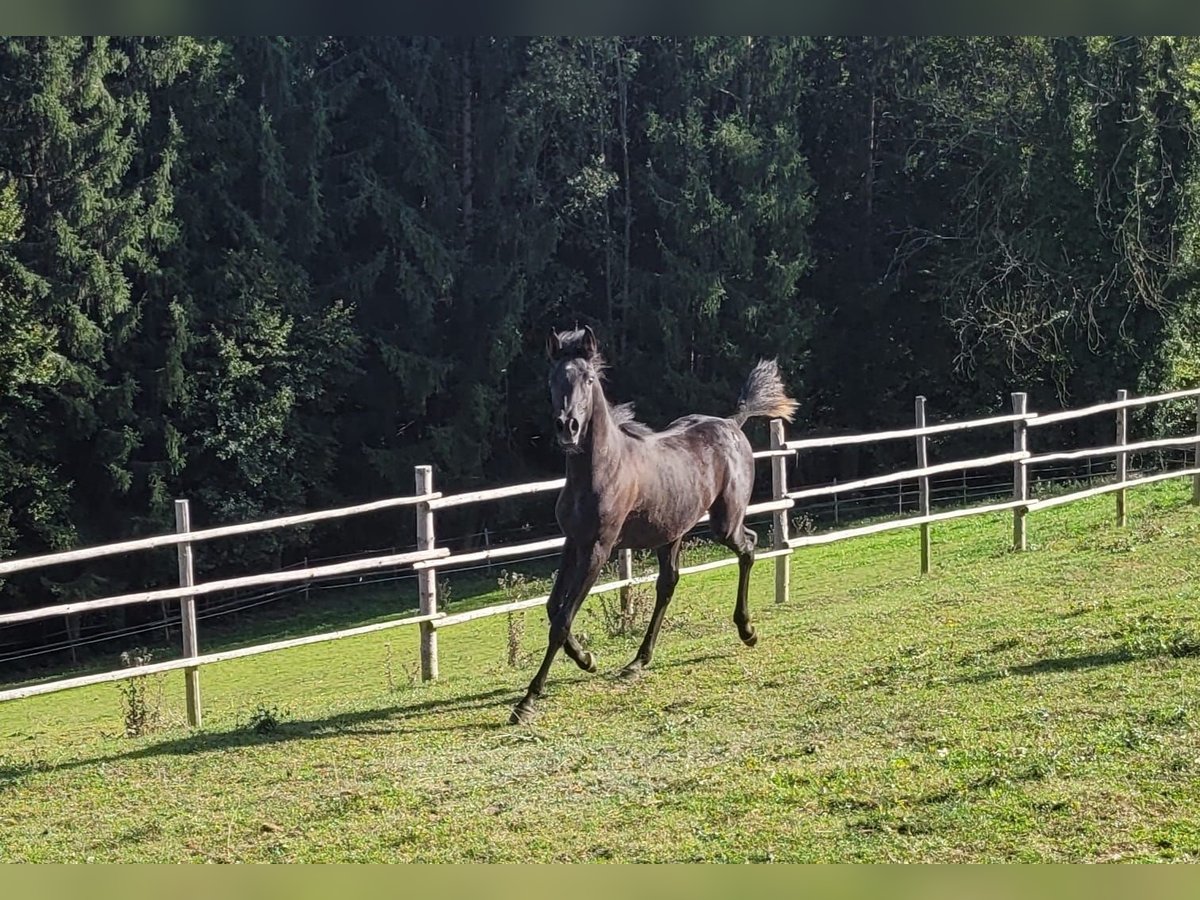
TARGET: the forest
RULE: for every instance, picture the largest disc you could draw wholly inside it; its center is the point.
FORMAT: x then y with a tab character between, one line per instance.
274	274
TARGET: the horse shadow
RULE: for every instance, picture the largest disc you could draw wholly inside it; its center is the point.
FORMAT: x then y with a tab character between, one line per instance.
399	719
202	742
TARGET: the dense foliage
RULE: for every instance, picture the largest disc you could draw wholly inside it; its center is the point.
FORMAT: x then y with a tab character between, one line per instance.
270	274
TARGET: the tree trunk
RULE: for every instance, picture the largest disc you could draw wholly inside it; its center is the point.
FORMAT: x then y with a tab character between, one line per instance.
623	97
468	168
869	170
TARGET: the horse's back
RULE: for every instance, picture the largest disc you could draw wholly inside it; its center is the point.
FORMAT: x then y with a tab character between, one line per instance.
708	436
682	471
720	451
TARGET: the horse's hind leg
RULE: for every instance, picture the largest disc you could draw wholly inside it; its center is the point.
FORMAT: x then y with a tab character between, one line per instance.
741	612
668	577
741	540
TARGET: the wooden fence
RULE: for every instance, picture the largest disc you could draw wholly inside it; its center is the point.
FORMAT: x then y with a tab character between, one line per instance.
429	559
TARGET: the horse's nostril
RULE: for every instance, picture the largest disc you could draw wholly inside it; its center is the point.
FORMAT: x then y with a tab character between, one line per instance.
574	426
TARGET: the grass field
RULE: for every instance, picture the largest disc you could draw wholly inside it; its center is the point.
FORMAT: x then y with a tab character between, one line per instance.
1041	706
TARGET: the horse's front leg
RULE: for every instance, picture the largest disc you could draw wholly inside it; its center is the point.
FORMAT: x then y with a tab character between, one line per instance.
568	569
576	582
569	560
585	659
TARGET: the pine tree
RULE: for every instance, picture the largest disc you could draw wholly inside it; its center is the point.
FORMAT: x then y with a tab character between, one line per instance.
722	232
92	180
258	362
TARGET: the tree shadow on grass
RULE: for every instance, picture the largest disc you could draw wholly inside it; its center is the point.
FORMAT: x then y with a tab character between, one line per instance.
1053	664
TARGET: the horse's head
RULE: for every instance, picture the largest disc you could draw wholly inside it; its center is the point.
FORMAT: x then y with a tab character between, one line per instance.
576	365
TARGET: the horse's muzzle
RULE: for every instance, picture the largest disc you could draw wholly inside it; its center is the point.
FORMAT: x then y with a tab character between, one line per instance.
568	432
570	445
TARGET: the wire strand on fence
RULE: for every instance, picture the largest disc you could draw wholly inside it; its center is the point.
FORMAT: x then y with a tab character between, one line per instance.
892	477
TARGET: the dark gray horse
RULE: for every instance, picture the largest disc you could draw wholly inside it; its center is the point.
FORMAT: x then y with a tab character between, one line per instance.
631	487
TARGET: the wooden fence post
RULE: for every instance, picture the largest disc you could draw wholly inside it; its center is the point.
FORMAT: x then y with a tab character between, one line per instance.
1020	472
187	614
1196	460
426	578
625	564
1122	457
779	525
923	483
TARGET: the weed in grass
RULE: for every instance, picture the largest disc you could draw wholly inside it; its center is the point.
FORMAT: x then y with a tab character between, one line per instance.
1150	634
387	666
1174	717
625	613
802	523
1179	763
515	586
515	633
411	671
141	696
15	771
263	720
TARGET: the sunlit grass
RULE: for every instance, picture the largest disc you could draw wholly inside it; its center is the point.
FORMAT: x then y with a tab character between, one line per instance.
1037	706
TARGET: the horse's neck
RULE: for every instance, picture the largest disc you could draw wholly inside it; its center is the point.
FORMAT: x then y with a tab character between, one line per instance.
604	443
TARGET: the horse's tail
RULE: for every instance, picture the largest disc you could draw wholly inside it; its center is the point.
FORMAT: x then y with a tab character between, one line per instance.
763	395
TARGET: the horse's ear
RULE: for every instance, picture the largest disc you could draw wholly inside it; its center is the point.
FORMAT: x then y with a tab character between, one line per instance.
553	344
590	347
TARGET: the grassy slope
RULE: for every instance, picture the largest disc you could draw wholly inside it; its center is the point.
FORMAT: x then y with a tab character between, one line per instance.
1009	707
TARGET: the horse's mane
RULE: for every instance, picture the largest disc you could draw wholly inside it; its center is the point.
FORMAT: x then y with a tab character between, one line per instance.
573	345
622	416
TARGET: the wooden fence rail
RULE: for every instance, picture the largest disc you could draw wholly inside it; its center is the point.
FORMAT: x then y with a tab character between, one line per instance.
228	584
428	559
1127	403
1051	502
208	534
49	687
1121	448
875	437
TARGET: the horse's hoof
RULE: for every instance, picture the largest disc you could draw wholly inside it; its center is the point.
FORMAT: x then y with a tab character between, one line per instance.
631	671
589	662
521	715
750	639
